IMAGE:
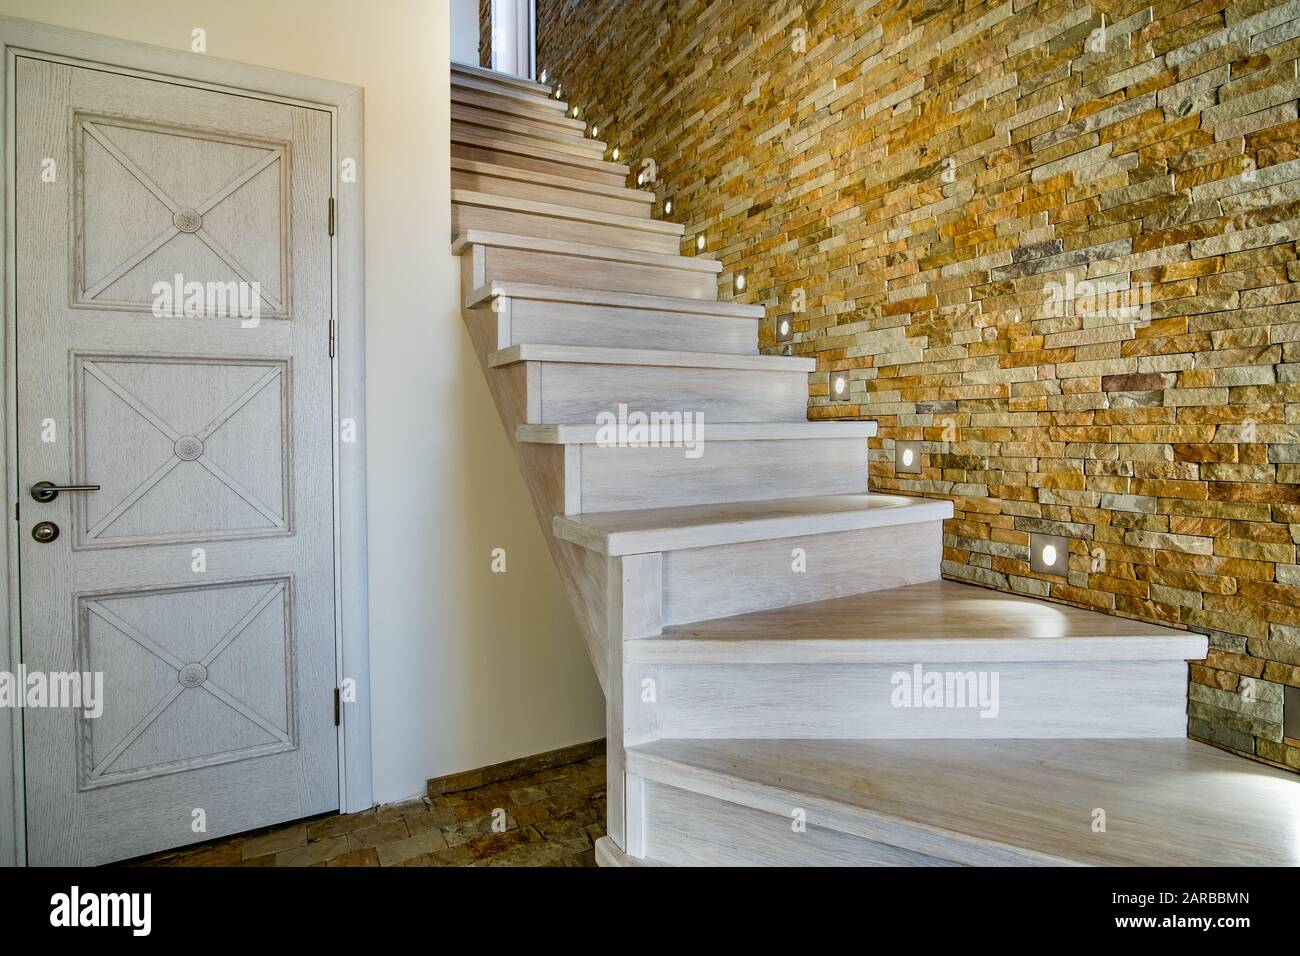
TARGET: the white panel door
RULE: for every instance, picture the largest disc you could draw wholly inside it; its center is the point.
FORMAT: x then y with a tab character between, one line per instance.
199	578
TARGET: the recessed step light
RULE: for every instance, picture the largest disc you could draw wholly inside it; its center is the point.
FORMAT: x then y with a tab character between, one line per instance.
839	387
907	457
1049	554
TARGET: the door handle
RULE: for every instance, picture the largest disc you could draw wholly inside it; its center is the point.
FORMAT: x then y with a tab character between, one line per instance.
48	490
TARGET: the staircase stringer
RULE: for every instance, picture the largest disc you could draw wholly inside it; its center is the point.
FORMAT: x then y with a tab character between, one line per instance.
544	473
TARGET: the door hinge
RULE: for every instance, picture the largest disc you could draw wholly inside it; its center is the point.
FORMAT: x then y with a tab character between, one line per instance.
331	338
331	215
337	706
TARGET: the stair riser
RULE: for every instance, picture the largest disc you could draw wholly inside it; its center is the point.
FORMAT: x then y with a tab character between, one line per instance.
509	109
532	321
524	158
563	392
625	479
500	126
1118	699
519	189
564	323
704	583
517	223
691	829
549	268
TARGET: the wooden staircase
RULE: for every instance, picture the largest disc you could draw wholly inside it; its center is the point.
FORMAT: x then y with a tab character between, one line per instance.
788	679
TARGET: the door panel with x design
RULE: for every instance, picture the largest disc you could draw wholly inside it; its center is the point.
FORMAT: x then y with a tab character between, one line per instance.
154	202
199	676
185	450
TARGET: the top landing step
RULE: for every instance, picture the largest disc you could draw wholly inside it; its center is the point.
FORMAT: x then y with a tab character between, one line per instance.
504	79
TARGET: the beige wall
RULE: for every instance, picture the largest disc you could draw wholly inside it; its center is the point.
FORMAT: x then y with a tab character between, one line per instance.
467	667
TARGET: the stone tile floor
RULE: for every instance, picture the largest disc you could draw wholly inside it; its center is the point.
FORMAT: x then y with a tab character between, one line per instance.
548	818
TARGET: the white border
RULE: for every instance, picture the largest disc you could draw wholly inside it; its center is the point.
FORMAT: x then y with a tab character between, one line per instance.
344	102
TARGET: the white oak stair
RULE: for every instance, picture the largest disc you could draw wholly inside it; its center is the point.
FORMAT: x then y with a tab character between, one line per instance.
768	632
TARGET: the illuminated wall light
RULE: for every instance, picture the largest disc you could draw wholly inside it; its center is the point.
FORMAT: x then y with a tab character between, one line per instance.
559	88
668	207
640	178
595	132
839	387
615	154
907	457
742	280
1049	554
576	112
699	243
542	78
785	328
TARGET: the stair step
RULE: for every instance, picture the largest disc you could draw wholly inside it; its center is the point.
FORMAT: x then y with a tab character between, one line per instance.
717	431
517	110
506	80
701	526
580	384
527	217
547	135
661	358
554	315
502	257
682	465
469	143
932	622
503	133
988	802
930	660
494	87
498	180
672	230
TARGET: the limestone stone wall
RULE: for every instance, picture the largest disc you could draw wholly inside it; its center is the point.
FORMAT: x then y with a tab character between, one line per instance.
1056	241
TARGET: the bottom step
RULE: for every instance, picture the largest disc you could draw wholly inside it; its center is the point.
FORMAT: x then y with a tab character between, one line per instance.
945	802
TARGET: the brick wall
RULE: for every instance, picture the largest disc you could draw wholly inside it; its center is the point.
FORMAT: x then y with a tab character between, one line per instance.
940	182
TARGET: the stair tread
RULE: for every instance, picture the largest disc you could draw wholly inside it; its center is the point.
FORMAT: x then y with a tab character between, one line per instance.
526	140
491	88
462	112
697	526
607	355
933	621
628	300
494	85
550	179
471	197
510	106
507	79
712	431
468	137
482	237
1174	801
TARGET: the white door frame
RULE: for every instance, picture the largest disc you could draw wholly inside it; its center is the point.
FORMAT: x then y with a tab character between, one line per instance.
344	102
